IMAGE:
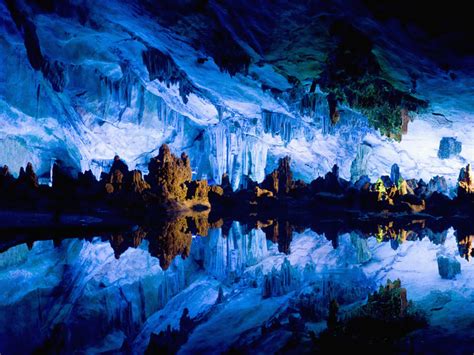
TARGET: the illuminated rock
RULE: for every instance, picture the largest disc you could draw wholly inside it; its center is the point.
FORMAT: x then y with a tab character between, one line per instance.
169	174
280	181
138	184
466	181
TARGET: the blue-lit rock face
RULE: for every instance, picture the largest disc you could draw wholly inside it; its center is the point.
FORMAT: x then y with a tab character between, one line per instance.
448	267
449	147
82	83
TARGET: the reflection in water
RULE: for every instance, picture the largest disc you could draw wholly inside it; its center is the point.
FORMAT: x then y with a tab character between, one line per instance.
168	238
465	245
255	279
172	237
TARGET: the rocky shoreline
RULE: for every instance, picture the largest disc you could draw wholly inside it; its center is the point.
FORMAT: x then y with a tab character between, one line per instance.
168	189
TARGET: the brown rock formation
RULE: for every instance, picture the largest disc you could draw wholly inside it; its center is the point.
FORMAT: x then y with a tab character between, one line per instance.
138	184
198	191
280	232
217	190
115	180
280	181
170	239
199	224
405	120
262	192
169	174
466	247
121	242
466	181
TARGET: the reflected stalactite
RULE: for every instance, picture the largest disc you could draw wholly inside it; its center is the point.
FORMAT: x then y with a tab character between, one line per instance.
167	239
122	241
170	239
281	233
465	245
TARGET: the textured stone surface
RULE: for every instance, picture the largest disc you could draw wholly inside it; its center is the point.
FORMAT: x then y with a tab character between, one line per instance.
449	147
169	174
280	181
359	164
448	267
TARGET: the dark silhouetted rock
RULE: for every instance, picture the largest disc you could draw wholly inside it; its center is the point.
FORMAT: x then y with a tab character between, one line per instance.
332	183
6	179
119	164
395	174
27	177
362	183
387	181
280	181
437	184
63	181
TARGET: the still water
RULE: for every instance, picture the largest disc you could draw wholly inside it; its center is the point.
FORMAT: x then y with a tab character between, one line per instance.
223	283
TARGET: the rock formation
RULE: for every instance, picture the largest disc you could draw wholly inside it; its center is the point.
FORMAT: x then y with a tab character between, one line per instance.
449	147
280	232
466	181
280	181
138	184
448	267
198	191
27	177
278	282
6	179
169	174
466	246
395	174
168	239
359	164
437	184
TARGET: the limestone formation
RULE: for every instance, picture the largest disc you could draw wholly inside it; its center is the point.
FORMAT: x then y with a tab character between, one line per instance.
6	179
449	147
169	239
466	181
359	164
280	181
395	174
119	164
169	174
466	247
278	282
437	184
448	267
262	192
198	191
138	184
27	177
